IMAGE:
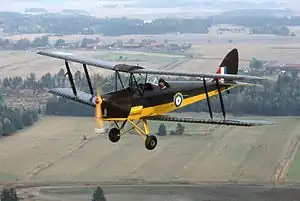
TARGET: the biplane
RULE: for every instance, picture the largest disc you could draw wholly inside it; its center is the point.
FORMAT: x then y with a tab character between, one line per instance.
140	101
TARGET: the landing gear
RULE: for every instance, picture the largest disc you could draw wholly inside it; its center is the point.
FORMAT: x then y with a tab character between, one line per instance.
114	135
150	142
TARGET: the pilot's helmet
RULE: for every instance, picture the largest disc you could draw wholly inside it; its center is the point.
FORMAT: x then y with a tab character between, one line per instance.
161	80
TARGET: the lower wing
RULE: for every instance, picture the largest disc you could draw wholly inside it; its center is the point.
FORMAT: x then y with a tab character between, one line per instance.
228	122
88	99
81	97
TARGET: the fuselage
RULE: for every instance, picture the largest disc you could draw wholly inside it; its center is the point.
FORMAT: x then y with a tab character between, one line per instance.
152	100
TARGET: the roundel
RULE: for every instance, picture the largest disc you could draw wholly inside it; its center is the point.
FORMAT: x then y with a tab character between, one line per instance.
178	98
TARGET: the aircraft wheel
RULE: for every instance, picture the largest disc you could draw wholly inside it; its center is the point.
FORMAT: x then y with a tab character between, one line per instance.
114	135
151	142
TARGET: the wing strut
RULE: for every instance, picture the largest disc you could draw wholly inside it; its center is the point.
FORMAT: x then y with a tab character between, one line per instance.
88	79
116	80
221	99
70	78
207	99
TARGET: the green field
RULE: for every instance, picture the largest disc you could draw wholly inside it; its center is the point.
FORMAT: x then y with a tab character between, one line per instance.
293	174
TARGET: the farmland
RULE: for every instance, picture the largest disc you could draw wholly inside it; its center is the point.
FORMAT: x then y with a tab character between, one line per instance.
211	153
207	55
53	150
17	63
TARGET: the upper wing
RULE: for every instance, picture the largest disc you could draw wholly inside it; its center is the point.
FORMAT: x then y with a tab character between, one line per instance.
228	122
89	61
139	69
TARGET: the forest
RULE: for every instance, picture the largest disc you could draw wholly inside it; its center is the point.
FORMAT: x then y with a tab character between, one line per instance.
14	119
17	23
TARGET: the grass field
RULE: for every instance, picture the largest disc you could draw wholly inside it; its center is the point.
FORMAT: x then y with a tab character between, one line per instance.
212	153
293	172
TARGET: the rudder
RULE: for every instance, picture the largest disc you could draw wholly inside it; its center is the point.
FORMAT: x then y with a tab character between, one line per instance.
230	63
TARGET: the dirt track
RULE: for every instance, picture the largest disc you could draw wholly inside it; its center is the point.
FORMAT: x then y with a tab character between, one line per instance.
216	192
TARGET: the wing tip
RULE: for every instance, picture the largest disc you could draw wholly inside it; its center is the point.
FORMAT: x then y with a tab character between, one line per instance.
43	52
259	123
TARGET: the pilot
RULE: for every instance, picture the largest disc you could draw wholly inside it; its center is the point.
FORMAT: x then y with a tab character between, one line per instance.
162	83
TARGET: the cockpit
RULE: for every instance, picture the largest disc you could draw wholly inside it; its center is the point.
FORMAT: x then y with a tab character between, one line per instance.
142	87
163	84
148	86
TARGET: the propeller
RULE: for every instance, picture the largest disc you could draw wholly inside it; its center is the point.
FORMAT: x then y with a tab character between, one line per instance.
98	114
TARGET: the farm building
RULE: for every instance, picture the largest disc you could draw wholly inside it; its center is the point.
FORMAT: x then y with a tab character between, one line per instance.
286	69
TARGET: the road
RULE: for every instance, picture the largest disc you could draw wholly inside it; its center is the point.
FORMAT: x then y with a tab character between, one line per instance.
174	192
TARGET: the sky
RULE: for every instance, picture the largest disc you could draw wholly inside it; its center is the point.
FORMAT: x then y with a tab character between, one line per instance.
92	6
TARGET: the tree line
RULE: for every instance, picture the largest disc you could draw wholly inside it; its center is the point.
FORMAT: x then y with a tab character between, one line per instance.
179	130
14	119
274	98
10	194
17	23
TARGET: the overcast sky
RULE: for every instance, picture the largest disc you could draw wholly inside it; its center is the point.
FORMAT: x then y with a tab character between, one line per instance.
92	5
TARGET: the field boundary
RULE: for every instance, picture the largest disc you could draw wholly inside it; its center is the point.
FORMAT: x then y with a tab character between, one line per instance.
284	163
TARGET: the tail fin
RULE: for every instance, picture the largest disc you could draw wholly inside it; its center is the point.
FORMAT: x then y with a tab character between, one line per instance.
230	63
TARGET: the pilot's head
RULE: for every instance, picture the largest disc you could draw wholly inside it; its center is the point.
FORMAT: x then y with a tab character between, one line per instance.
161	83
161	80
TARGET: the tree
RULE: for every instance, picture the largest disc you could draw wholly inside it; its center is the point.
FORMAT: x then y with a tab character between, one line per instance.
8	126
9	195
60	43
179	129
87	41
254	63
22	44
40	41
172	133
98	195
162	130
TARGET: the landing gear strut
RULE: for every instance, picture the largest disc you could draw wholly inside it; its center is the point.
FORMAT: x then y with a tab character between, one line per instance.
115	133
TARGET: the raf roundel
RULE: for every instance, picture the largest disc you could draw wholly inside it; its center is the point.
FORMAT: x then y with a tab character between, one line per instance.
178	98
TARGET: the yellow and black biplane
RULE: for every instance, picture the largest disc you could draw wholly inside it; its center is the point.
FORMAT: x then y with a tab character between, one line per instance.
138	102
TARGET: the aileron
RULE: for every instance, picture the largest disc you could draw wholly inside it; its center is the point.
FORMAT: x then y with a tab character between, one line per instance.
78	59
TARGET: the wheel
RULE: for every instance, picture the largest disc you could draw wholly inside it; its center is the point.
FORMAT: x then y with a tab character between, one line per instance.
114	135
151	142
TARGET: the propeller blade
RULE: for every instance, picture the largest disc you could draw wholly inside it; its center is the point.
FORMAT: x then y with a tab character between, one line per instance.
98	115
